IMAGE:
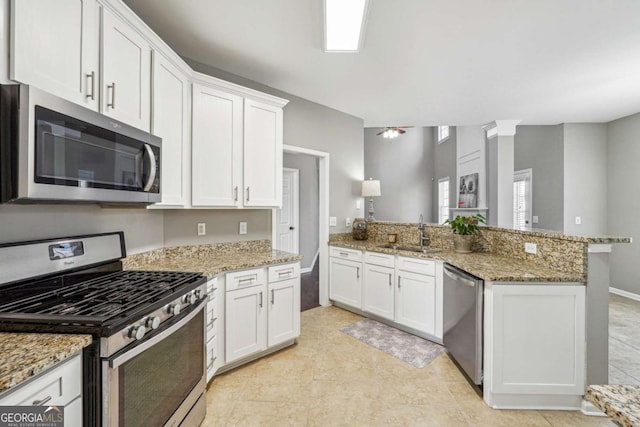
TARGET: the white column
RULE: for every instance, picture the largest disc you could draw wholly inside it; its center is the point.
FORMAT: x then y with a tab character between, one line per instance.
500	165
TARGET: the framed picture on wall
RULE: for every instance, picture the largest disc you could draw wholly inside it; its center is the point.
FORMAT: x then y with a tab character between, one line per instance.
468	193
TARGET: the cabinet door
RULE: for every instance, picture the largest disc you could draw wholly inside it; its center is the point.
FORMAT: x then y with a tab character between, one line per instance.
246	321
525	358
284	311
170	121
345	283
126	73
55	46
262	154
216	148
378	291
415	301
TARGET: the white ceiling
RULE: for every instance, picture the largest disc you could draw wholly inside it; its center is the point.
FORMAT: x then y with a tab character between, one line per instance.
426	62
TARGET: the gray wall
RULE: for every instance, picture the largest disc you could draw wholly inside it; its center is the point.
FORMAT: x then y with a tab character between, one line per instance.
444	165
180	226
541	149
585	178
623	157
404	167
143	229
308	204
314	126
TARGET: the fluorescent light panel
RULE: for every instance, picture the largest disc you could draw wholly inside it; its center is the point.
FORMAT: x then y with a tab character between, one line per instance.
344	24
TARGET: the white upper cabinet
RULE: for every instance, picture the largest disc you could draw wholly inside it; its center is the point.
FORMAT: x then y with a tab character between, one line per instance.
126	73
262	154
55	46
216	148
170	121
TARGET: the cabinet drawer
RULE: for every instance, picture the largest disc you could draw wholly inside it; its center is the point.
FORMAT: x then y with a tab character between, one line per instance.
344	253
212	318
57	386
211	356
376	258
212	288
246	279
283	272
416	265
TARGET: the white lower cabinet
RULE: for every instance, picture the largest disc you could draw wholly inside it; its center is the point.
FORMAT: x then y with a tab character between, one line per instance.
534	345
416	302
345	280
378	290
59	386
212	355
261	311
246	319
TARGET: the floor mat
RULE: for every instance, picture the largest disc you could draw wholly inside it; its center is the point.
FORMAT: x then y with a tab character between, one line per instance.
406	347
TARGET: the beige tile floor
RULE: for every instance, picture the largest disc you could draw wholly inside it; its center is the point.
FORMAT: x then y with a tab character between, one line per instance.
332	379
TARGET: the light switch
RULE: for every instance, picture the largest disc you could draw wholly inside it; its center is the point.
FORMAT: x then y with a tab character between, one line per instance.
347	222
202	229
243	227
358	204
535	219
578	220
333	221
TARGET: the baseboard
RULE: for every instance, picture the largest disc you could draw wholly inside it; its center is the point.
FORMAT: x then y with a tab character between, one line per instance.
588	408
313	264
626	294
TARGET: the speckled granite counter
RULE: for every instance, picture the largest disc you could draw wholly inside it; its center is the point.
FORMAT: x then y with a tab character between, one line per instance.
620	402
210	259
23	355
485	265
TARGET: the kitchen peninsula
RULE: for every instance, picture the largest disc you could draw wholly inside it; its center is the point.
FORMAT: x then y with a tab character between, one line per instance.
545	314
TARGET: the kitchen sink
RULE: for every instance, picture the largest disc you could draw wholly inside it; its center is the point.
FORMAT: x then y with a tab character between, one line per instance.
411	249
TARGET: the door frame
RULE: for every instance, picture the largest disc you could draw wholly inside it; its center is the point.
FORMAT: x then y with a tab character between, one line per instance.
528	173
323	207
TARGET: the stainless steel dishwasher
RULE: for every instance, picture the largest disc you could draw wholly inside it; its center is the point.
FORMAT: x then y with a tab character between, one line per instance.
463	307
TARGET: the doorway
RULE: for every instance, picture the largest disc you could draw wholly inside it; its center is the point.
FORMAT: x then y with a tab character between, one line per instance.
321	261
522	199
287	217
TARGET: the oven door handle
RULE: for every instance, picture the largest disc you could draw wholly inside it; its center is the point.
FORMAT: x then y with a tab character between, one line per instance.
130	354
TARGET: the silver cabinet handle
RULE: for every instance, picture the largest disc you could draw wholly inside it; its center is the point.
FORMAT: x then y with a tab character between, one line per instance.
260	299
248	194
112	86
390	284
235	194
41	402
285	272
247	280
399	282
92	94
357	272
212	322
344	254
272	296
211	362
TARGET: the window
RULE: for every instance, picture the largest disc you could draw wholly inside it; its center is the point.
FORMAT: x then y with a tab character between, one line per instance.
522	200
443	200
443	133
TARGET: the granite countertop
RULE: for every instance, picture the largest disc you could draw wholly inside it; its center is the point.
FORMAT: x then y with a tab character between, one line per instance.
620	402
209	262
485	265
23	355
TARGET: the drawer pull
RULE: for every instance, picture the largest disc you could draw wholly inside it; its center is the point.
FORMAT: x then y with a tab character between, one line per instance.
41	402
212	322
211	362
260	299
247	280
390	284
399	282
357	272
272	296
286	272
344	253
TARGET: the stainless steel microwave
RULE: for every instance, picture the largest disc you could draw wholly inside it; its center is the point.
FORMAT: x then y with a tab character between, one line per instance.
52	150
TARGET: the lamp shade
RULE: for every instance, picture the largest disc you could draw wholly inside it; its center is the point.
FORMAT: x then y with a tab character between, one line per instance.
371	188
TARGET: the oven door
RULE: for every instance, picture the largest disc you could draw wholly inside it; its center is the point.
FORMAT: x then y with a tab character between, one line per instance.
161	379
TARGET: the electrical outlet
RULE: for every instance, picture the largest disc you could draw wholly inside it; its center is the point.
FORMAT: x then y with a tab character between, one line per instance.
202	229
535	219
578	220
358	204
531	248
243	227
333	221
347	222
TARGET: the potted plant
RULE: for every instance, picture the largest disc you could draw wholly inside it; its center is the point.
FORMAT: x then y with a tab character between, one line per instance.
464	230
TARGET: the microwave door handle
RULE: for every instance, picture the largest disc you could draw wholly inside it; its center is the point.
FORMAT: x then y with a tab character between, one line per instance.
154	171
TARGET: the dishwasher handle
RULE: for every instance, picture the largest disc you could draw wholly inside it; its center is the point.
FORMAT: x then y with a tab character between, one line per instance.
458	277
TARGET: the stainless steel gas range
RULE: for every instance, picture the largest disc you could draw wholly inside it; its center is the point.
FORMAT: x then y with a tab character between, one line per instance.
146	366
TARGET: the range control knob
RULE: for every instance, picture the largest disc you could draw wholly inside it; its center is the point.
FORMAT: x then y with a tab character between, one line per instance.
198	294
190	298
152	322
136	332
173	309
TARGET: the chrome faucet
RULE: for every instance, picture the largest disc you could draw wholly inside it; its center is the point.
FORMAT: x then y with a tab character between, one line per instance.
425	240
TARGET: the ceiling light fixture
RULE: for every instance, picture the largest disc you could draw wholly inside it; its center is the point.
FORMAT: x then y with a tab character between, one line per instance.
344	23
